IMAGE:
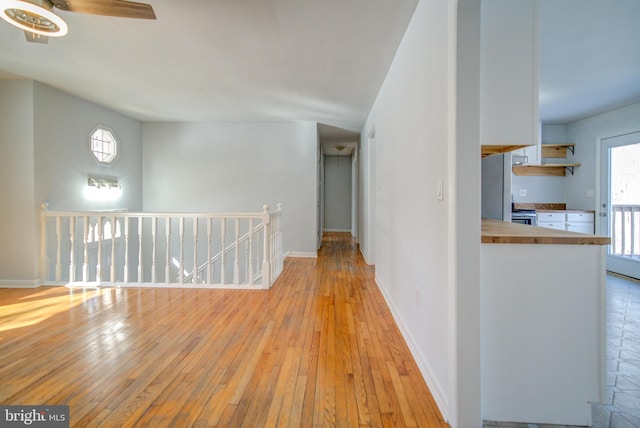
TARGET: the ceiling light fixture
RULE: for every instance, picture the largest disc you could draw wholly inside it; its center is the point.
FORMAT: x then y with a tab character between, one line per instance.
35	17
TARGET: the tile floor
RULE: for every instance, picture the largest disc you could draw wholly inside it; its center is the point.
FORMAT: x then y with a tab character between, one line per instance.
621	408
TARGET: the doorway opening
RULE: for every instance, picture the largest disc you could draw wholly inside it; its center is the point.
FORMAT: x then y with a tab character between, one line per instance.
338	181
338	189
620	202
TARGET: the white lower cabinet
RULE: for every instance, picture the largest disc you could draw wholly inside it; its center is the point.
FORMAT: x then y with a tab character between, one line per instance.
552	225
581	221
572	221
580	228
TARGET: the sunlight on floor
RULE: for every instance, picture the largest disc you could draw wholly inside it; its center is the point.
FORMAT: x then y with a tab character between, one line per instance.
42	305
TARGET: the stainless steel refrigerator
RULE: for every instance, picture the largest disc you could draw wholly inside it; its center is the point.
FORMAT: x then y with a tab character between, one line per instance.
496	187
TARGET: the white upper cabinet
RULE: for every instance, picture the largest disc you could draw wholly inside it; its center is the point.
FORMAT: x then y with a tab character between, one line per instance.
509	75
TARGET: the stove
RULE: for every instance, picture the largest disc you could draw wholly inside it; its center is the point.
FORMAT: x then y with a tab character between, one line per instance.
524	217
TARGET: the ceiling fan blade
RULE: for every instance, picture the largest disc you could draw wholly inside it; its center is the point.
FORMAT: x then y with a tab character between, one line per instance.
35	38
120	8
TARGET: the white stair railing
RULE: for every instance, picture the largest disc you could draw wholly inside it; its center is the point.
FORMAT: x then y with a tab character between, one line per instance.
625	230
208	267
161	249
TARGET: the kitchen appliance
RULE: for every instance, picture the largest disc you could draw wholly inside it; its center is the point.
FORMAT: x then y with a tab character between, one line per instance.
524	217
493	187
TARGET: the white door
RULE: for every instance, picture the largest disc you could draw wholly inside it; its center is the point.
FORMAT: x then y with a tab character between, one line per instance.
620	201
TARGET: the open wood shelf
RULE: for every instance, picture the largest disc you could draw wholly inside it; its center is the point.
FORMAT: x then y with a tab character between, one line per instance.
557	150
489	150
546	169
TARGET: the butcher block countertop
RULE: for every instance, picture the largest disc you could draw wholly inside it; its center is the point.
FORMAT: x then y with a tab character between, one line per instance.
502	232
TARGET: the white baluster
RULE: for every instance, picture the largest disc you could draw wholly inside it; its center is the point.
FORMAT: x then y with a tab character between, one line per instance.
209	231
250	253
85	262
59	249
223	256
266	256
273	252
113	250
154	221
258	248
167	266
194	275
126	249
181	266
140	276
72	257
44	258
236	265
279	256
99	261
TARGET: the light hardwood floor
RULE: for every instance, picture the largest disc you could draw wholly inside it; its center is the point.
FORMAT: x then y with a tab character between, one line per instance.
318	349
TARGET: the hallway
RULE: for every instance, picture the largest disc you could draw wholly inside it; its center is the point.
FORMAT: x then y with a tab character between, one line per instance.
318	349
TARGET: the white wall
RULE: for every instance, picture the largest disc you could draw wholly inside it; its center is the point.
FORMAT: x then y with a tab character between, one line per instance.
543	189
18	219
578	190
337	193
585	133
412	118
235	167
62	126
45	133
465	218
540	364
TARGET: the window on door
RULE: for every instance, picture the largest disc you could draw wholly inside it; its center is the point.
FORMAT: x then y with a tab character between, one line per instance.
625	201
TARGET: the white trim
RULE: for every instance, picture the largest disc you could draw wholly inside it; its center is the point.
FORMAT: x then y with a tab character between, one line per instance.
372	183
435	387
450	411
364	255
338	230
189	285
598	169
297	254
19	283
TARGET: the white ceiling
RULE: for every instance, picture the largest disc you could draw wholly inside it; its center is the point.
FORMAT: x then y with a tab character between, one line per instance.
317	60
223	60
589	57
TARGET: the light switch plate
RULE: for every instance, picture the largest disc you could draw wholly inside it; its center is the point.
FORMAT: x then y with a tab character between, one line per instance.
440	189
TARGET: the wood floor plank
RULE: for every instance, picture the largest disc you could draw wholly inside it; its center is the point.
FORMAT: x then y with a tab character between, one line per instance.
320	348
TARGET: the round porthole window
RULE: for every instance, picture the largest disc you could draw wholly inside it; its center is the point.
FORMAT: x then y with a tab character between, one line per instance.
104	145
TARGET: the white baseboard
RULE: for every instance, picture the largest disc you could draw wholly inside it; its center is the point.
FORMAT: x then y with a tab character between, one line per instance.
310	254
423	365
364	256
337	230
22	283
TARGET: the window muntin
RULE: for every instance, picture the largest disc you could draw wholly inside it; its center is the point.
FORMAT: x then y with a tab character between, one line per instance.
104	145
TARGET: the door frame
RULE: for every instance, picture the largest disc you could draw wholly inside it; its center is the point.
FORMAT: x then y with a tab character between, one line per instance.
601	191
372	196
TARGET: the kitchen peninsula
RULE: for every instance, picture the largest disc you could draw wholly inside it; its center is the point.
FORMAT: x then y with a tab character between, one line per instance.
543	323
